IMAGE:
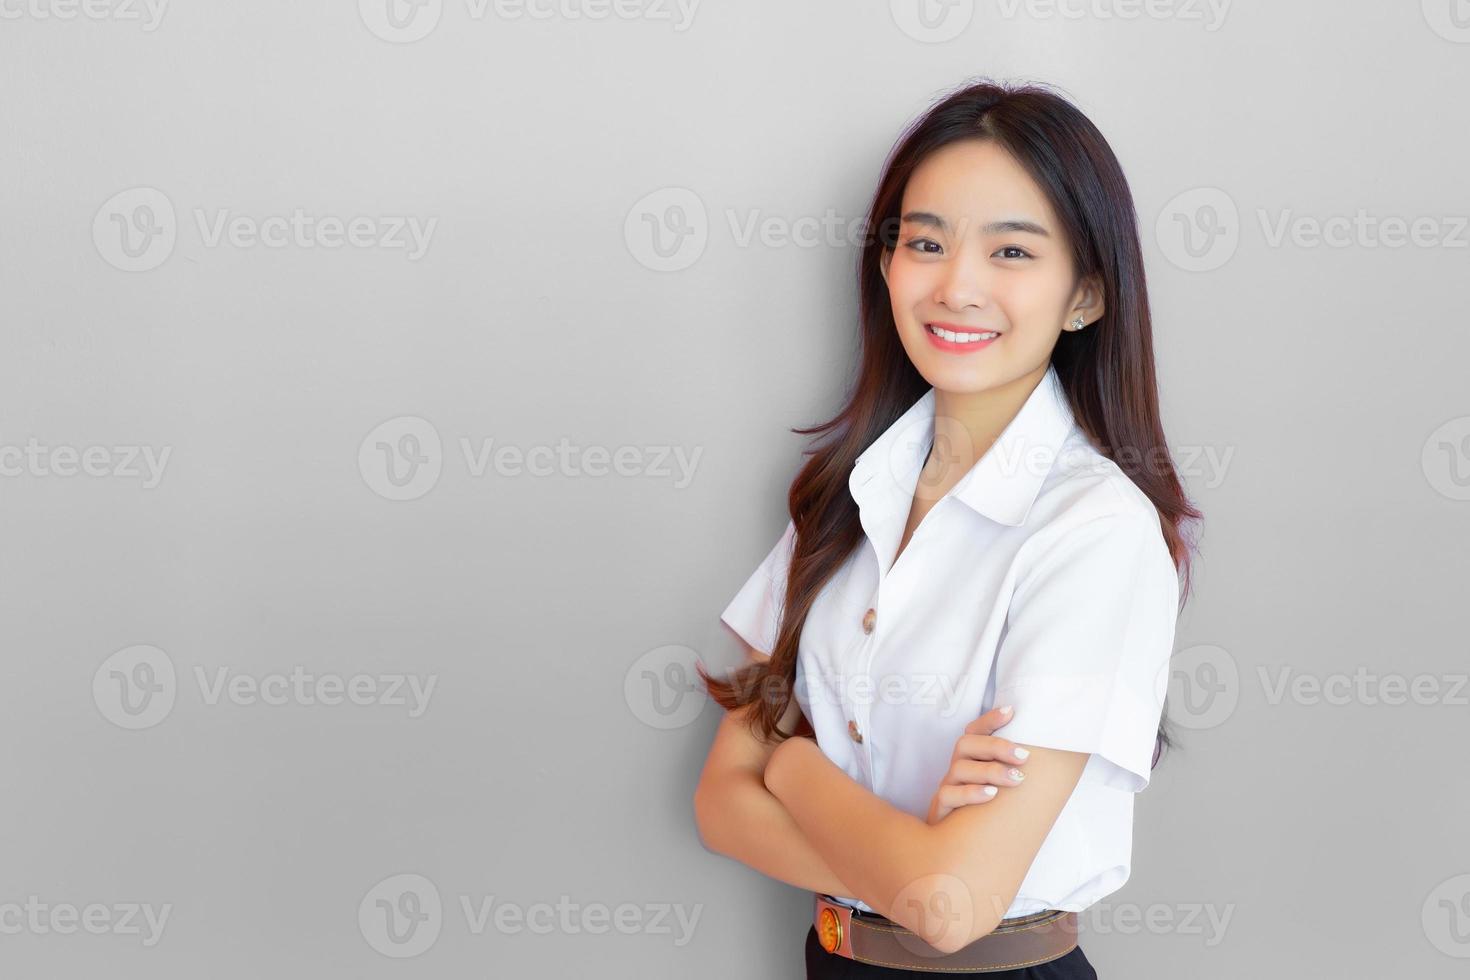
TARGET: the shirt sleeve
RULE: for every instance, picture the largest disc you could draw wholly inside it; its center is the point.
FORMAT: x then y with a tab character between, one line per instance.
1085	655
755	612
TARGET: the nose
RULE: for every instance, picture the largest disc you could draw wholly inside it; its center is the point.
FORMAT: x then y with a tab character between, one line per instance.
961	285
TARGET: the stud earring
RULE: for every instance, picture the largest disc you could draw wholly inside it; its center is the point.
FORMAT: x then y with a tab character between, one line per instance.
1078	323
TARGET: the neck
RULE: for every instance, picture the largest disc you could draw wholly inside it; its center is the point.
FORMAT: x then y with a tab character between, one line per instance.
967	423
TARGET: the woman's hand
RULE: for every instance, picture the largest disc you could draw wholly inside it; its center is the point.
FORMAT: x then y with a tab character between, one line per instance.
980	765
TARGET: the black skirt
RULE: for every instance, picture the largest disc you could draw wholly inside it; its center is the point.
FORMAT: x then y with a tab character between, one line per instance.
822	965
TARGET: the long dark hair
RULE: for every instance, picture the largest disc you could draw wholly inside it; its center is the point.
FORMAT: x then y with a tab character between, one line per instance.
1106	370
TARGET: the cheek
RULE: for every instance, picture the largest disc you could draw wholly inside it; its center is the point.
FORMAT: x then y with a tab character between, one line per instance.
909	284
1032	300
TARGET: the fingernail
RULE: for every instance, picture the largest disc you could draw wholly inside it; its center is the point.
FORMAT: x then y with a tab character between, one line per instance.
990	791
1021	753
1016	774
1006	710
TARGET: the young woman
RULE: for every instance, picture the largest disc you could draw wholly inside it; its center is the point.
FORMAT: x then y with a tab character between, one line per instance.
990	538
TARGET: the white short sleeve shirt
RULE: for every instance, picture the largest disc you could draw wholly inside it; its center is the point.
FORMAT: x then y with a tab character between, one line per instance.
1042	580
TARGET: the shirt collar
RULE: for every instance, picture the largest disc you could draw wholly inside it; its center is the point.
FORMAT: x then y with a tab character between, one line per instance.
1003	483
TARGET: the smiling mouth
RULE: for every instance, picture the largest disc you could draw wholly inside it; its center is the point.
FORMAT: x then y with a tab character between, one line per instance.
961	336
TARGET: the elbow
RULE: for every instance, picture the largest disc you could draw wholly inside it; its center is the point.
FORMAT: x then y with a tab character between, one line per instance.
705	822
958	938
721	811
952	912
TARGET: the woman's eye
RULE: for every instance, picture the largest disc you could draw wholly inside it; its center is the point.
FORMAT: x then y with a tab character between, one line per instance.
918	244
1020	253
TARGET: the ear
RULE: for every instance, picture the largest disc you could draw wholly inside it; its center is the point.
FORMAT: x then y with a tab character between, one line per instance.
885	256
1087	302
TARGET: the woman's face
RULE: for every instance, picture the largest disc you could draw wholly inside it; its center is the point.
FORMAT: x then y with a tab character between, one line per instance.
980	251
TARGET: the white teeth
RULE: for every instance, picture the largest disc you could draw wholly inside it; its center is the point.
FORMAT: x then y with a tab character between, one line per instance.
962	338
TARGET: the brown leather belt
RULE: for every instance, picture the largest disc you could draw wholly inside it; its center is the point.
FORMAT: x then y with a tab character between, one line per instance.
868	937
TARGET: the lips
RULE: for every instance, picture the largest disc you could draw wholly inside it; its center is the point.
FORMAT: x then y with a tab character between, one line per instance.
966	340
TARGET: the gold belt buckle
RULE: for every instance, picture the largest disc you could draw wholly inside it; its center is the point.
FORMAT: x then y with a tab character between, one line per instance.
834	926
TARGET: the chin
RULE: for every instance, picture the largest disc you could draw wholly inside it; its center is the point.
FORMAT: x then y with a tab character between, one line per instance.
964	382
958	372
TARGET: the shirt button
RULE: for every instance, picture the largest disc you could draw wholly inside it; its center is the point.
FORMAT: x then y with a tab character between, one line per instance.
870	618
852	729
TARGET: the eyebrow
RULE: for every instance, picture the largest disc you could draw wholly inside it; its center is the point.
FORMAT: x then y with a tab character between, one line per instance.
993	228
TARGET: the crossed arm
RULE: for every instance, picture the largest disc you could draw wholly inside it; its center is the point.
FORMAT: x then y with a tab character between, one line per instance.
790	813
738	817
950	882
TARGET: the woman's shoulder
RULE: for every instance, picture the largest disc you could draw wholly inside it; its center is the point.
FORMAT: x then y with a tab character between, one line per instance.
1085	487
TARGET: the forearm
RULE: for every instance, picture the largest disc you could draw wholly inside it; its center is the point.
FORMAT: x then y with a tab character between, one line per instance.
746	823
899	854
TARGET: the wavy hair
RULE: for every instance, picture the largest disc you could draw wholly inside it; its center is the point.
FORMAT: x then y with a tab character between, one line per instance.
1107	370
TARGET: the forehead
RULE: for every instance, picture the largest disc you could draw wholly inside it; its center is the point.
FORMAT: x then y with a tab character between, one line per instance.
979	180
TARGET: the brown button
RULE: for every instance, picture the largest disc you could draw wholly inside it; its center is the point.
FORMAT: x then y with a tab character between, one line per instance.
852	730
870	618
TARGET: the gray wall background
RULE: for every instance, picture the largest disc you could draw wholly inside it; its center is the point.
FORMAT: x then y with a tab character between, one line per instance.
321	516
